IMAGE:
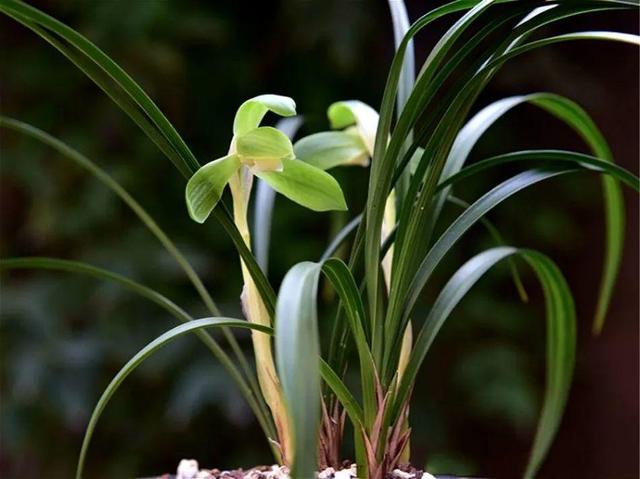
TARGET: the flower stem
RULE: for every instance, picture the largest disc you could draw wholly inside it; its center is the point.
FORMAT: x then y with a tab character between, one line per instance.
256	312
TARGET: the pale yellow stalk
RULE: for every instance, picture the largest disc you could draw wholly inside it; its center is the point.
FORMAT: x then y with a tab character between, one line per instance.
388	223
256	312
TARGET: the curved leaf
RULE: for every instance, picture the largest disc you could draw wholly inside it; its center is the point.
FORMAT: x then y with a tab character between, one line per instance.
561	337
592	35
441	132
109	76
144	353
348	401
384	157
253	397
480	208
163	238
132	99
401	24
342	280
576	118
297	357
339	238
549	158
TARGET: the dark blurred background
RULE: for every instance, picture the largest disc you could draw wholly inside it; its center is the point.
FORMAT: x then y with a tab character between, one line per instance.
63	337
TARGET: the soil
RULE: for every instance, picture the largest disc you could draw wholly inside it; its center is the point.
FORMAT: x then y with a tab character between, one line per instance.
189	469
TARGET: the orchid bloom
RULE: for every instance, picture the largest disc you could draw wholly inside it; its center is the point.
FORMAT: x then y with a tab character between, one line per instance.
267	153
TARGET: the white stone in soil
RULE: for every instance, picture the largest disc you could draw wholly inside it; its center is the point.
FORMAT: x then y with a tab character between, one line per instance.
253	474
327	473
187	469
278	472
402	474
345	473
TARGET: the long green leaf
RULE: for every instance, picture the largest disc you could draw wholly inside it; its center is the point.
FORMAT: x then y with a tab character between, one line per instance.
297	357
96	55
415	219
384	157
251	393
555	161
445	130
144	353
102	176
481	207
593	35
56	264
339	238
130	97
498	239
401	25
561	337
547	158
342	280
348	401
575	117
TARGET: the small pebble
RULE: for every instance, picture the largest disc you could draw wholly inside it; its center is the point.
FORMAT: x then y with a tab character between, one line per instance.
278	472
187	469
328	473
404	475
345	474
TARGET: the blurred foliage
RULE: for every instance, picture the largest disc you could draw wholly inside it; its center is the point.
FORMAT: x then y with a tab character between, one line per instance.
63	337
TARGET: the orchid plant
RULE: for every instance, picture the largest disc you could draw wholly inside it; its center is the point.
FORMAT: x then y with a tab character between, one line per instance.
297	389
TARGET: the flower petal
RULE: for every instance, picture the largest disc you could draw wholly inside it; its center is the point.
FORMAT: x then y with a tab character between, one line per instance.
332	148
306	185
262	149
251	112
205	187
354	112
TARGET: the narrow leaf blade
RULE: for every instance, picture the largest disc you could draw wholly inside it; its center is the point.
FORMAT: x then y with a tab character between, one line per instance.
297	357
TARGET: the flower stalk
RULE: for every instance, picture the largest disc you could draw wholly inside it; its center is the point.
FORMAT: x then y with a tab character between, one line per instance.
255	311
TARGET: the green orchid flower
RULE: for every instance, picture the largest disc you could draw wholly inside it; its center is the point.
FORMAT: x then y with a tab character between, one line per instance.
267	153
351	143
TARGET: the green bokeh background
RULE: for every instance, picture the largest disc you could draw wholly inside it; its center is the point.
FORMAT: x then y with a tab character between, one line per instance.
63	337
